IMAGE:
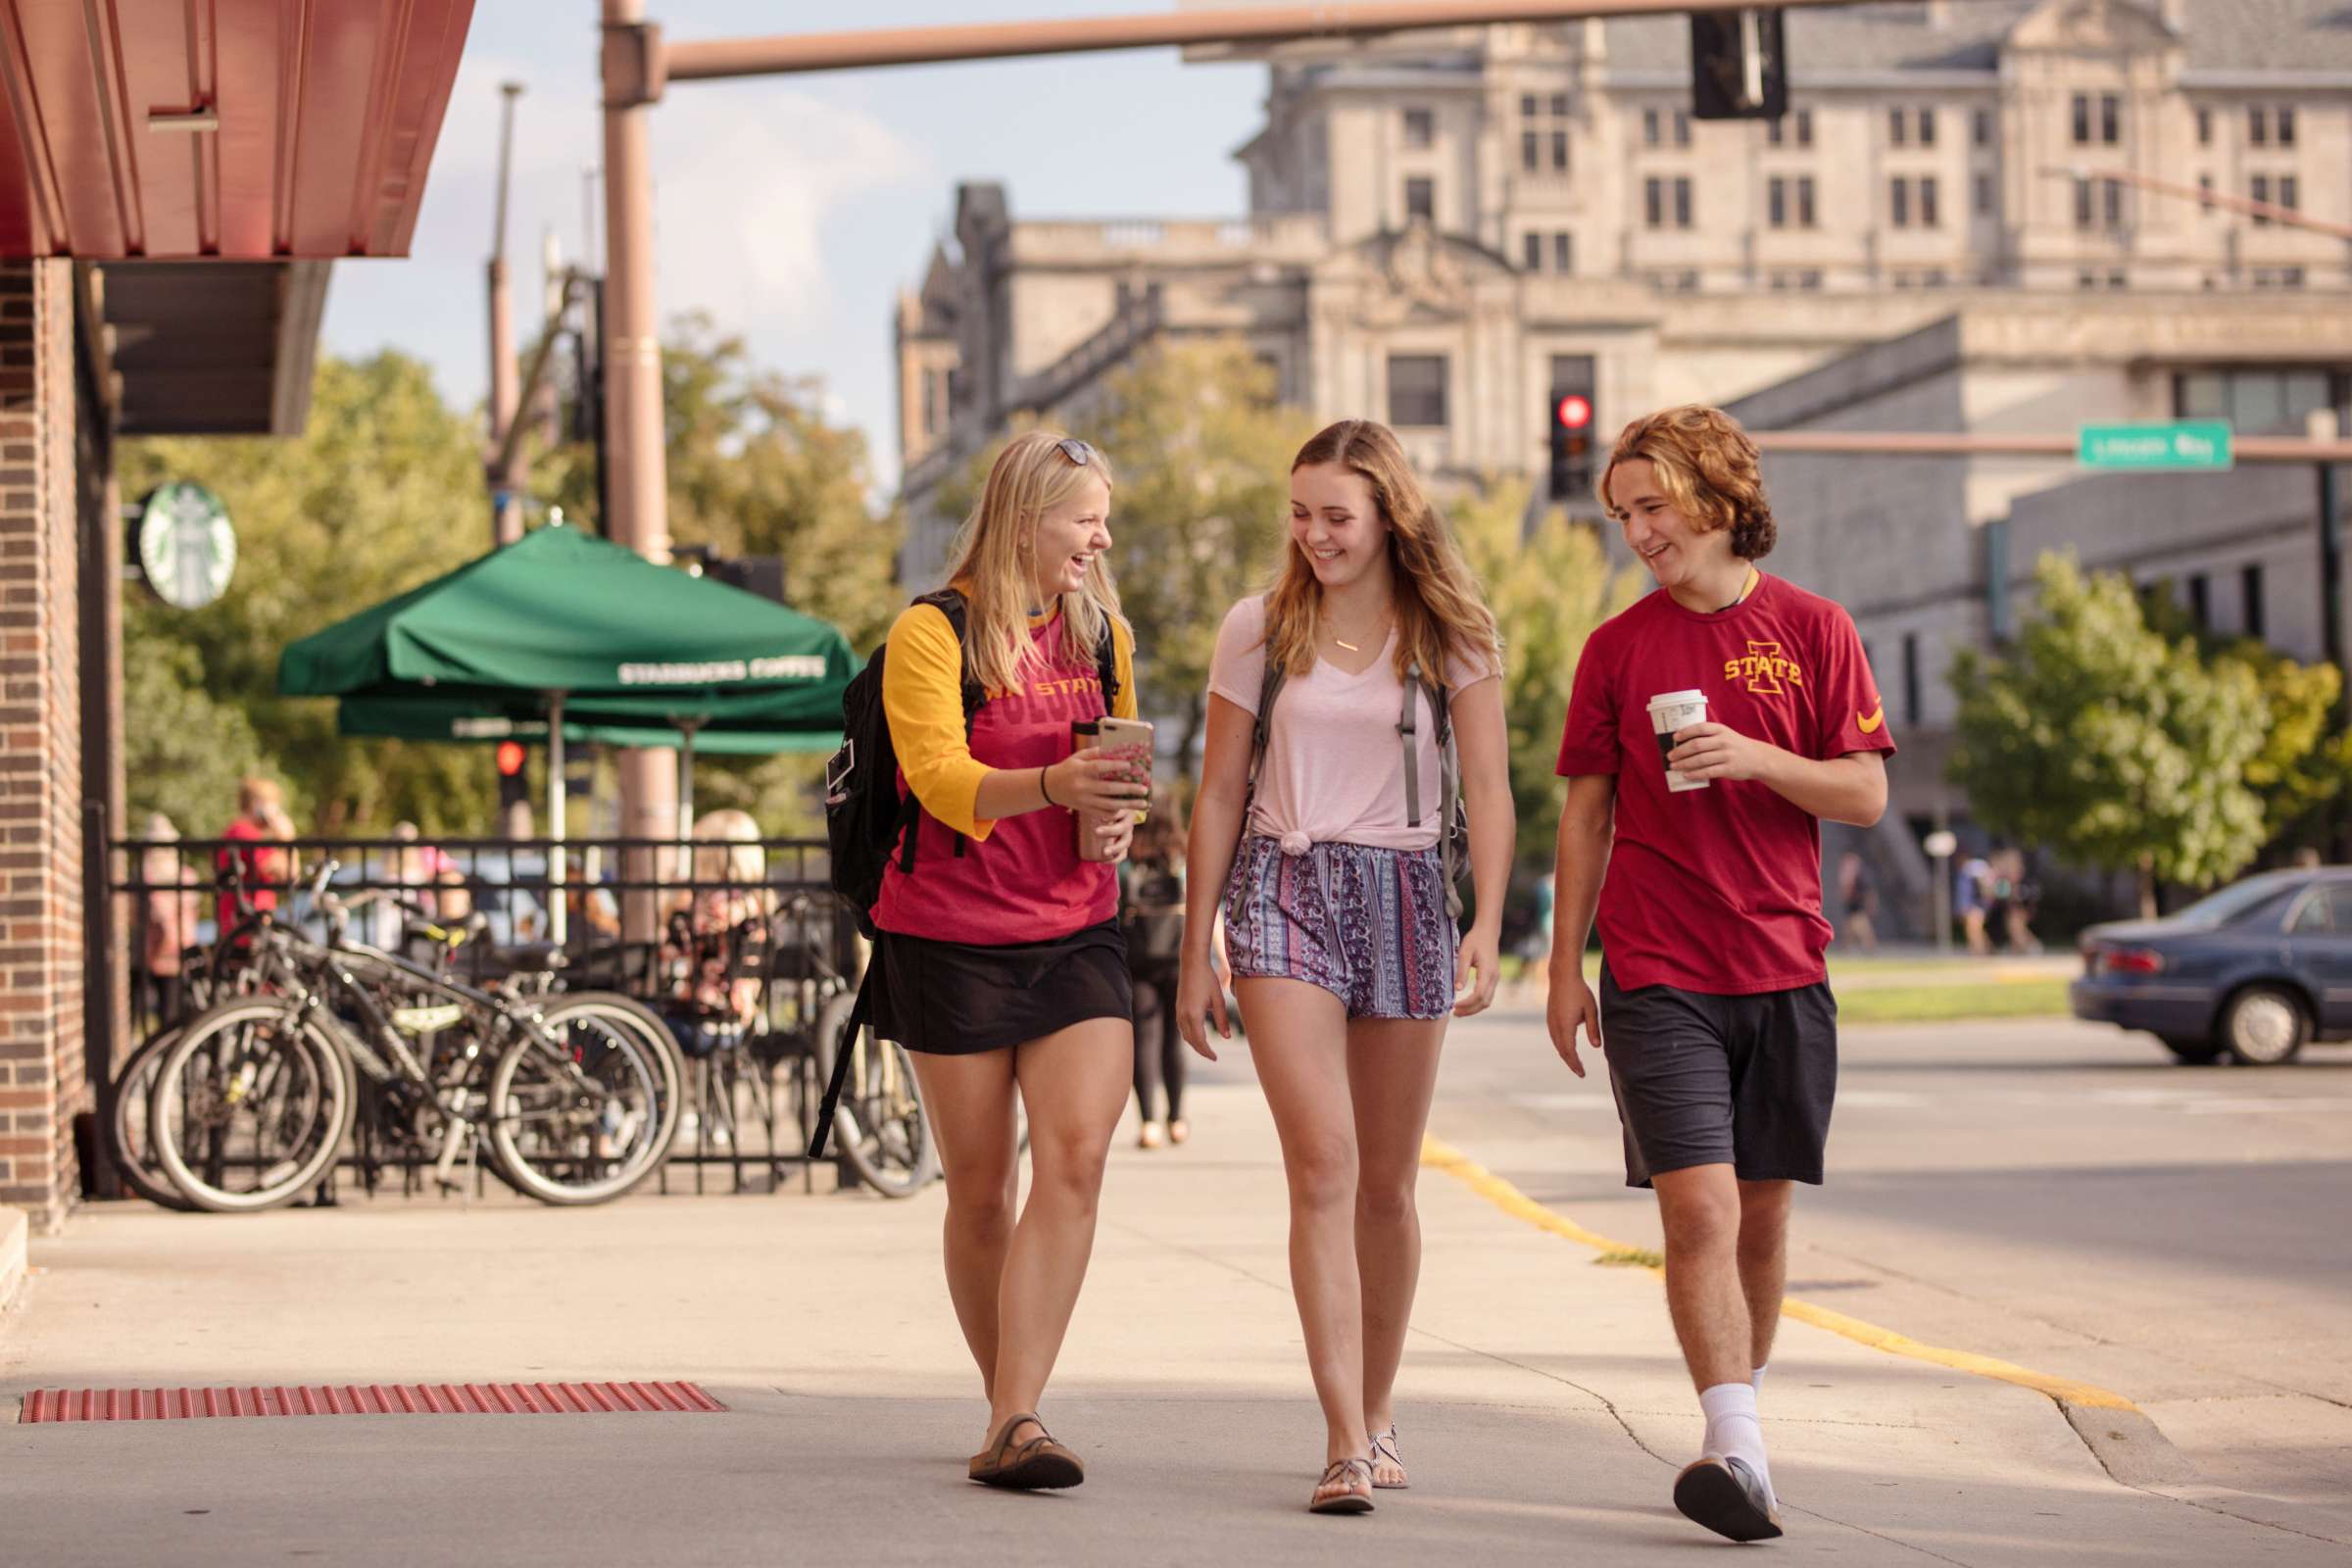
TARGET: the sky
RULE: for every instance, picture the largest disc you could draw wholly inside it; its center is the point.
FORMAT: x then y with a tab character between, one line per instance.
792	209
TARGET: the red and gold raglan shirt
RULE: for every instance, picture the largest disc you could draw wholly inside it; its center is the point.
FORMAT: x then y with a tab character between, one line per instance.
1019	879
1719	890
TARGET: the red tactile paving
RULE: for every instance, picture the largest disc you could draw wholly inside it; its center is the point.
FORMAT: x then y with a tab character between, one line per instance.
371	1399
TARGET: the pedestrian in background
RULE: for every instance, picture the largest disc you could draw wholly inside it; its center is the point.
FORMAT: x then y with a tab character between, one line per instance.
1972	888
1714	1011
1345	958
169	909
253	857
1153	881
1858	896
999	964
716	936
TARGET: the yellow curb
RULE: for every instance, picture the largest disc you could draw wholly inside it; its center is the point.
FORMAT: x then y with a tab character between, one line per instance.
1443	1157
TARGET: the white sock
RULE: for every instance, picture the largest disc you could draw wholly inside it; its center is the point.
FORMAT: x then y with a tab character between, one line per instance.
1732	1430
1755	1379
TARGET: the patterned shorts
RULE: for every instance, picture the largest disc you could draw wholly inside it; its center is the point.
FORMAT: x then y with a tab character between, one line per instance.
1368	925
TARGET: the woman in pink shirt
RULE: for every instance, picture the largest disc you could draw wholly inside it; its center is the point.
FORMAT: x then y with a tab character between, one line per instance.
1330	852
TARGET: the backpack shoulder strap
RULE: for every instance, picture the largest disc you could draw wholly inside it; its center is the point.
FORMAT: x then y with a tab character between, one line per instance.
1262	725
1106	665
950	602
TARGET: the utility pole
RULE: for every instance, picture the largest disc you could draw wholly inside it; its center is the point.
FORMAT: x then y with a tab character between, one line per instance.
505	477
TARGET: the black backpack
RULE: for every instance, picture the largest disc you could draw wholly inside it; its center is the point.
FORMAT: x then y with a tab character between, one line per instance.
866	820
1453	820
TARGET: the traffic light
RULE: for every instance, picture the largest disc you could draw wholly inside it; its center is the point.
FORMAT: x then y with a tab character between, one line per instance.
1739	67
1570	413
514	789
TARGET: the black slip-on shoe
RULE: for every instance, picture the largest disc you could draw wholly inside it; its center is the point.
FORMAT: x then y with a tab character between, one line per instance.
1728	1498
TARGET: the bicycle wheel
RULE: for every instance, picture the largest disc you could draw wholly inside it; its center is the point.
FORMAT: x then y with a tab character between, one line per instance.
250	1107
585	1121
128	1146
879	1126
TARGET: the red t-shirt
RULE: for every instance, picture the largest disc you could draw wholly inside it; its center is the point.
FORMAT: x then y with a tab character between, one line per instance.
253	866
1719	890
1024	882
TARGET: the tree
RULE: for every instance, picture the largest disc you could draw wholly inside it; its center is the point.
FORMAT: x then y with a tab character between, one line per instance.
2304	763
2113	746
382	490
1549	592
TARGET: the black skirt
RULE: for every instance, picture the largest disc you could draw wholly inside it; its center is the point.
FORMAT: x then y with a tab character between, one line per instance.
953	999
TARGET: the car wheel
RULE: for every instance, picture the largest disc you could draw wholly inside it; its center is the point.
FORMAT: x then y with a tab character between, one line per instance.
2263	1026
2190	1049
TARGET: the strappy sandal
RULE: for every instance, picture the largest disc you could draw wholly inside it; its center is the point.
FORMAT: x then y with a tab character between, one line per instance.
1357	1498
1384	1451
1039	1464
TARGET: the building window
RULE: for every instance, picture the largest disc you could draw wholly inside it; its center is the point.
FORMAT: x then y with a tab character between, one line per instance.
1531	148
1420	127
2258	125
1980	127
2255	402
2277	278
930	402
1777	131
2111	115
1927	128
2290	196
1559	106
1804	127
1653	202
1650	128
1927	201
1534	253
1526	107
2200	601
1559	152
2082	120
2249	592
1984	195
2112	201
1417	391
2285	120
1681	203
1563	254
1898	201
1896	121
1804	201
2204	127
2260	189
2083	210
1911	677
1544	125
1681	128
1776	202
1774	134
1421	199
2205	192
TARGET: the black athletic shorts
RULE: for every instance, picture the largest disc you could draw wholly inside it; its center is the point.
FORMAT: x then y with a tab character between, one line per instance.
953	999
1708	1080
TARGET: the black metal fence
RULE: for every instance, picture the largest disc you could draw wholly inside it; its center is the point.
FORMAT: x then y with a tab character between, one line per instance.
740	947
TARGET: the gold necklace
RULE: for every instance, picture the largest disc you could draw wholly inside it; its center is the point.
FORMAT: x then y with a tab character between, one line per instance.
1344	643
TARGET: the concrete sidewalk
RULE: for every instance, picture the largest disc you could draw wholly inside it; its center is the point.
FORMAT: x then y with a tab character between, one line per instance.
1544	1409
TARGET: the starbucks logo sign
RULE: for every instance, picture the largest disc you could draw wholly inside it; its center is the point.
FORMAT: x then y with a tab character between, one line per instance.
187	547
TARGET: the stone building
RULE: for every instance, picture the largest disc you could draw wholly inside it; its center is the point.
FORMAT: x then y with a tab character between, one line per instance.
1443	225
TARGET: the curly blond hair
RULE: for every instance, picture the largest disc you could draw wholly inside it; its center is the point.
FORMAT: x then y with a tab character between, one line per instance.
1708	467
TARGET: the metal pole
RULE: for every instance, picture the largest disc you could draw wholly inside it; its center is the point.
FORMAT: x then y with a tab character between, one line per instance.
2321	423
709	58
637	513
559	915
506	503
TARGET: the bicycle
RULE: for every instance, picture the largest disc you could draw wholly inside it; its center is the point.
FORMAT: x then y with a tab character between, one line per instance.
577	1093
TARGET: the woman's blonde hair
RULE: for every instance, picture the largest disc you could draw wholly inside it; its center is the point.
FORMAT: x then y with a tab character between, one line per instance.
1439	610
1706	464
996	558
728	849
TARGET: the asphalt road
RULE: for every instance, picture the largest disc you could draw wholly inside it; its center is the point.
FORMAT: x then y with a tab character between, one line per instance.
2054	1194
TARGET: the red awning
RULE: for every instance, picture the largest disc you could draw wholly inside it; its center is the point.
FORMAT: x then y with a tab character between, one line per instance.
261	129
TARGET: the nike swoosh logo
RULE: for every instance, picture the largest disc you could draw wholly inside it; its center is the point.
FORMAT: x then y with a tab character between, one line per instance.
1869	725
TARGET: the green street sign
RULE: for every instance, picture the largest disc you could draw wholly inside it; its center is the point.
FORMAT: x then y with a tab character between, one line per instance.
2186	444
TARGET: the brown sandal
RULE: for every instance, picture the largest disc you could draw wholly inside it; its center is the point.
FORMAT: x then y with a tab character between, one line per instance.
1038	1465
1357	1498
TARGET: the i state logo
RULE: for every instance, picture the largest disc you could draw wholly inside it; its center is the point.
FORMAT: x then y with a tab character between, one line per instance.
1763	668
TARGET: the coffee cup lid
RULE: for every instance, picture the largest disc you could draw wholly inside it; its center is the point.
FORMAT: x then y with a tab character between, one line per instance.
1677	699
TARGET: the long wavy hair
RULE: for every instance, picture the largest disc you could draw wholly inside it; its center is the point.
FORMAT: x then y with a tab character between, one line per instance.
1439	610
1708	467
996	561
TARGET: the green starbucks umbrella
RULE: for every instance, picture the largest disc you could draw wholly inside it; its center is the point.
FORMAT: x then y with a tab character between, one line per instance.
589	641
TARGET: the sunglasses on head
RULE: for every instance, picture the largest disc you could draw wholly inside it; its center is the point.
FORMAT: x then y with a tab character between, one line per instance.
1077	450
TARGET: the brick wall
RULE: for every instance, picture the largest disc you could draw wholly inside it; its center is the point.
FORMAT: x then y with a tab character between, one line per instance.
42	1074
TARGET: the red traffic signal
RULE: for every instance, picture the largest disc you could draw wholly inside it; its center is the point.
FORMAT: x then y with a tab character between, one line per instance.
1575	412
511	755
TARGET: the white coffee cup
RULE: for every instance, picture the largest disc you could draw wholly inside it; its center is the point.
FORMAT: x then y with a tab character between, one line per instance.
1670	711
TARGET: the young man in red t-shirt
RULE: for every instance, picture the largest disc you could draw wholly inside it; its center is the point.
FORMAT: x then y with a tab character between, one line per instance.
1714	1011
